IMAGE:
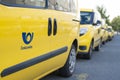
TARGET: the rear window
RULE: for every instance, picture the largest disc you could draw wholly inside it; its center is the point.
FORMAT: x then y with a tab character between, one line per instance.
27	3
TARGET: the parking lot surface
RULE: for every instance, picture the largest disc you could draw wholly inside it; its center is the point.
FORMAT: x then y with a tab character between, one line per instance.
104	65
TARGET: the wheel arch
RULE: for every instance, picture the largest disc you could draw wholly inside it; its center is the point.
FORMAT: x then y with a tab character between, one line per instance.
75	43
92	41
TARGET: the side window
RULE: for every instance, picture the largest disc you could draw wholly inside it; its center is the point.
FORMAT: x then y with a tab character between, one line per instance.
51	4
37	3
63	5
58	5
73	5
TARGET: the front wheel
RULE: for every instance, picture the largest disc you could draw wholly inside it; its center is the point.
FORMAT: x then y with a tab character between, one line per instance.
103	42
89	54
69	67
99	46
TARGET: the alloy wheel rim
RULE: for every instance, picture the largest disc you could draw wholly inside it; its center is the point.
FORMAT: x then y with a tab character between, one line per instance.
91	49
72	60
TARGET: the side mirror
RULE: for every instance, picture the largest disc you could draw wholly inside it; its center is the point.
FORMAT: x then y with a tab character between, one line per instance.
97	23
102	28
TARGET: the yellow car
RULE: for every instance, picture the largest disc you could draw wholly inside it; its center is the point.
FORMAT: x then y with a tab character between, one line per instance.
37	37
90	37
107	33
104	32
110	33
113	33
103	37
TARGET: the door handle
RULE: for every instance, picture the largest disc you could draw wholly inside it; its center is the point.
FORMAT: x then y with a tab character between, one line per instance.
49	26
55	27
76	20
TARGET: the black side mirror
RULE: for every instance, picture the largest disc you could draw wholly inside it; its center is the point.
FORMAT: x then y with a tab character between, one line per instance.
97	23
102	28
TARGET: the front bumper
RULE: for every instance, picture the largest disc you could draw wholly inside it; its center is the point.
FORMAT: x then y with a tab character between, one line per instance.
84	43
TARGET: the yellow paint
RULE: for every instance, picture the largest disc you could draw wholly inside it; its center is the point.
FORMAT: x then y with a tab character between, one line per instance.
14	21
86	10
111	34
104	33
93	33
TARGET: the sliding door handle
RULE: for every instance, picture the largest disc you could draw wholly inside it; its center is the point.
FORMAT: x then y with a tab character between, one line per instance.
49	26
55	27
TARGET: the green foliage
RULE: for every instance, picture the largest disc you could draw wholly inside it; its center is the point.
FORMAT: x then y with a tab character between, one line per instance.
102	12
116	23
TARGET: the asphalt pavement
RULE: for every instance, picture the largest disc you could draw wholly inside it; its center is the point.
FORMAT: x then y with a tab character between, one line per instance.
104	65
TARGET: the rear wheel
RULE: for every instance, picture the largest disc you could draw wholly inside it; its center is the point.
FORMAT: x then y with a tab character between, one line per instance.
69	67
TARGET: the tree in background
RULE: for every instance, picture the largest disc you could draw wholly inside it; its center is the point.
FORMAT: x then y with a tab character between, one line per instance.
102	12
116	23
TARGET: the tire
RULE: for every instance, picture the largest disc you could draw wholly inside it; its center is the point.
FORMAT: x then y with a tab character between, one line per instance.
69	66
99	46
107	39
89	54
110	38
103	42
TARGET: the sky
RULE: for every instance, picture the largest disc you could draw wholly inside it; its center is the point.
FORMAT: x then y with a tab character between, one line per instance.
112	6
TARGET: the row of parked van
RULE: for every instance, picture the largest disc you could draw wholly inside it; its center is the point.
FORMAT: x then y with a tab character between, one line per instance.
38	37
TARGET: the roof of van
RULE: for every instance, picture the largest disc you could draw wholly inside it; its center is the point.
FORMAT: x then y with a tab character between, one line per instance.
87	10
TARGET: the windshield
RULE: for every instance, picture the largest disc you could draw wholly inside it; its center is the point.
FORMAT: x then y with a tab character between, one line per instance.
109	29
86	17
34	3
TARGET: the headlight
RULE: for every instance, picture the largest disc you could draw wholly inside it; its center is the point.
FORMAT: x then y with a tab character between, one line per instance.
83	31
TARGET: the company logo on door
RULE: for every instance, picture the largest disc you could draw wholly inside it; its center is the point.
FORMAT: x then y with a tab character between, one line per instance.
27	39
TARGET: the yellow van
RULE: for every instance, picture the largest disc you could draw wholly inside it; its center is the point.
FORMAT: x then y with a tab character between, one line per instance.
37	37
90	37
103	37
110	33
104	32
107	33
